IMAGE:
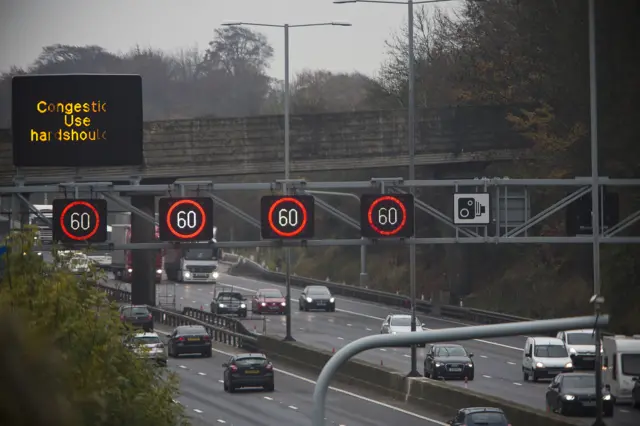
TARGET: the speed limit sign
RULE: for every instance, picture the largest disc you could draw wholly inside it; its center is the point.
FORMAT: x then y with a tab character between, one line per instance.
186	219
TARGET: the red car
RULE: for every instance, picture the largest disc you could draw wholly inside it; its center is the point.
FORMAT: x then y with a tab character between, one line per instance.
268	300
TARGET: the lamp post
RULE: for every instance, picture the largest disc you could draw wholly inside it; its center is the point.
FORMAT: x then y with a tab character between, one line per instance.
412	147
286	27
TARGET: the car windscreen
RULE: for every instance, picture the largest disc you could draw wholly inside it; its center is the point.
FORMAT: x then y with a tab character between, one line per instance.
273	294
199	254
486	419
579	382
147	340
250	362
318	292
230	296
452	351
551	351
404	322
581	339
192	331
135	312
630	364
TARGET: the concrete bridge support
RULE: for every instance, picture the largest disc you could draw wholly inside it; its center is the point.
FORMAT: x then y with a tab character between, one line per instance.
143	287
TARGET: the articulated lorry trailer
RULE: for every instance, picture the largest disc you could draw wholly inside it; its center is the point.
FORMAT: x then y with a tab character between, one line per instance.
194	264
122	260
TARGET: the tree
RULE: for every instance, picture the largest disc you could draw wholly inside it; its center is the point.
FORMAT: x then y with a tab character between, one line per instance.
238	50
93	379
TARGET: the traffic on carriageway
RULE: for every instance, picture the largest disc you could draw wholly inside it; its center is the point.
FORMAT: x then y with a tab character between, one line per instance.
498	362
204	399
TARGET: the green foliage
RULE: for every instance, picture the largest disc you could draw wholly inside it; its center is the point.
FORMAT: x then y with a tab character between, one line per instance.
65	338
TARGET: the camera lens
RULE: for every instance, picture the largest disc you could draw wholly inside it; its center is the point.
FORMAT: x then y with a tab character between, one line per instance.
464	213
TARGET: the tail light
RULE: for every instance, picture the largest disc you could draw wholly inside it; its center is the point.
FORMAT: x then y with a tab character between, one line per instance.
121	317
234	368
207	338
180	339
150	316
270	367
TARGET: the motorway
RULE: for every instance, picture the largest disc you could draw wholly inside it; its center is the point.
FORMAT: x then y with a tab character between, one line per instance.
498	360
207	403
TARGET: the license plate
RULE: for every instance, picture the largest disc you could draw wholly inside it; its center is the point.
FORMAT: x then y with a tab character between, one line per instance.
252	372
589	404
320	303
554	371
455	369
273	307
193	339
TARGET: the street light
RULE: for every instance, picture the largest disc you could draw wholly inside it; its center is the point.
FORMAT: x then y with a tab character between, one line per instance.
412	148
288	336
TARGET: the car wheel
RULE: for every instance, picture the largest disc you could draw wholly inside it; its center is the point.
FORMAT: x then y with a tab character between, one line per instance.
333	309
207	354
470	378
608	413
232	388
636	403
225	386
426	372
563	409
534	376
300	306
525	376
270	387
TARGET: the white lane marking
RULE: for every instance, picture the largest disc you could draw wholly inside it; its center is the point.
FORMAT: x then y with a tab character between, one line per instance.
407	356
293	407
221	381
368	329
383	350
342	391
220	421
202	374
340	338
486	377
511	363
622	410
268	398
517	384
487	342
183	366
348	325
483	356
197	411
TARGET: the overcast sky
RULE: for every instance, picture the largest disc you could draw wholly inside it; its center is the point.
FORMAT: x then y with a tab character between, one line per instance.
28	25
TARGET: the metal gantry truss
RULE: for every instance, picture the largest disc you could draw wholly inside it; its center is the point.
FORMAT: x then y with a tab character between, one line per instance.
464	234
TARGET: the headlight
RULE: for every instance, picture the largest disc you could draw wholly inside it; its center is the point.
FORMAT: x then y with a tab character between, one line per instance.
221	305
283	304
393	332
470	365
572	351
438	364
332	300
129	270
242	305
159	271
569	397
539	365
215	275
309	300
39	253
187	274
263	304
568	365
606	397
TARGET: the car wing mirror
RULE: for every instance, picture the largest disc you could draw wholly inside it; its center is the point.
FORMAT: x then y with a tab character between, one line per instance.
225	365
470	354
634	379
607	387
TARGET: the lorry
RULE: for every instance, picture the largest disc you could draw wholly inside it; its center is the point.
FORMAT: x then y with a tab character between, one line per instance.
621	364
122	260
194	264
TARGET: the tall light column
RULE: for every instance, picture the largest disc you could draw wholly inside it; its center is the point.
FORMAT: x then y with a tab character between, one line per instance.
412	148
287	166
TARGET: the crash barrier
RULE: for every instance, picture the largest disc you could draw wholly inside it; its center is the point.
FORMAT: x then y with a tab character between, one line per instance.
115	294
217	320
434	395
248	268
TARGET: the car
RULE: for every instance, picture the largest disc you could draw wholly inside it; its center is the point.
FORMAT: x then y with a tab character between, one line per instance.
248	370
581	345
229	303
476	416
575	393
448	361
544	357
268	300
148	345
635	393
136	316
317	297
189	339
399	323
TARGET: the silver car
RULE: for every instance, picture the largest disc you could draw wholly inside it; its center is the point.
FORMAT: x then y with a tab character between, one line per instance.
148	345
399	323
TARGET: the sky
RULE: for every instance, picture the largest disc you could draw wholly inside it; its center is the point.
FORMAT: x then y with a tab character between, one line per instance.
117	25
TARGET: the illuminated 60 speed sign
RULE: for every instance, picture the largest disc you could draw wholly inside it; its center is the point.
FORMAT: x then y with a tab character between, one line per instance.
185	219
287	216
80	221
387	216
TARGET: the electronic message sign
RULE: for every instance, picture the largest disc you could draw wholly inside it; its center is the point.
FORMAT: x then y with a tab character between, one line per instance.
77	120
385	216
185	219
287	216
79	221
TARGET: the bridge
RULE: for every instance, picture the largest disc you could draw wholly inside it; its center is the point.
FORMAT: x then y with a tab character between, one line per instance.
219	147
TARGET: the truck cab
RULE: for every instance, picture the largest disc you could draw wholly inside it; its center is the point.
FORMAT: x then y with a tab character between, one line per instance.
621	364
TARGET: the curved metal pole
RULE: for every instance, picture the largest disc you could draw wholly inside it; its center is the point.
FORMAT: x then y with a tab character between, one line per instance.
443	335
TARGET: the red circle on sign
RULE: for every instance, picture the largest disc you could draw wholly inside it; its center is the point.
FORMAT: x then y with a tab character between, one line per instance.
198	231
66	231
397	228
296	231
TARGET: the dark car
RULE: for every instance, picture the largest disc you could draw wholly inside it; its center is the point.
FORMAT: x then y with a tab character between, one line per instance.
189	339
136	316
575	393
317	297
635	393
268	300
248	371
229	303
448	362
476	416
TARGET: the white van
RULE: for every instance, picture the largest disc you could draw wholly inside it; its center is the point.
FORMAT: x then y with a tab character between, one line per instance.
620	365
581	345
544	358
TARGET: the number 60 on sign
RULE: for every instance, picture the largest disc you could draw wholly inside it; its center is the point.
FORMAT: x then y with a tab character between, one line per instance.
287	217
